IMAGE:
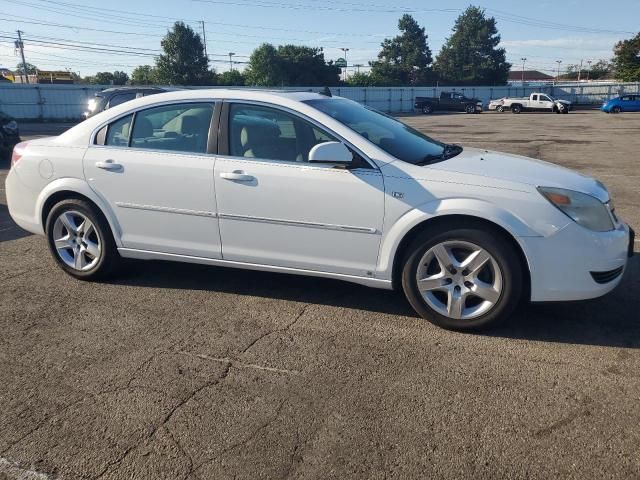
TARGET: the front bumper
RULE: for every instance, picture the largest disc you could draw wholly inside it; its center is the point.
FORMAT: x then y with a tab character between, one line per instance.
562	265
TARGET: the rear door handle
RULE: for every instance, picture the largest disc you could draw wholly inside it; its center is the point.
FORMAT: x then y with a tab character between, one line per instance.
237	176
109	165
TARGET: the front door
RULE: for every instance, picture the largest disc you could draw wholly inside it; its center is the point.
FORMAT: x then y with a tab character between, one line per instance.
154	171
277	208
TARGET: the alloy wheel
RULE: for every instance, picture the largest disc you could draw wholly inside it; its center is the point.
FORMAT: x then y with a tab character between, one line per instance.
459	279
76	240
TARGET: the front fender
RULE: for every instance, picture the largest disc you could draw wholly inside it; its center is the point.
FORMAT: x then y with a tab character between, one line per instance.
440	208
81	187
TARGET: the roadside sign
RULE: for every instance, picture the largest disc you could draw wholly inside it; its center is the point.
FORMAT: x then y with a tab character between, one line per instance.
341	62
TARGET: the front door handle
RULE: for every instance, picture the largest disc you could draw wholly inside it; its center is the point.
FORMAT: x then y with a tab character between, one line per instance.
109	165
237	176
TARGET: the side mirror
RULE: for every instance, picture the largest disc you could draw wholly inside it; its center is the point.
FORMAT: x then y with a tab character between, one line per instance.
330	152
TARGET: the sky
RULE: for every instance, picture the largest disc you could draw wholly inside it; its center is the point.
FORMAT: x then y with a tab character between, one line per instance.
87	36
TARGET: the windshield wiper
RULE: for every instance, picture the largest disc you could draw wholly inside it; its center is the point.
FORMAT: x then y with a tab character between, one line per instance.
448	151
451	151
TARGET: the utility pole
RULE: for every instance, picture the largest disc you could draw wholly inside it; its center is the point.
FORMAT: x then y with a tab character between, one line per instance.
204	38
589	70
231	54
345	50
558	74
20	45
524	59
580	70
358	65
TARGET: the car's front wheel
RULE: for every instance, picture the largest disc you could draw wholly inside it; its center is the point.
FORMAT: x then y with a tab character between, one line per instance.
616	110
470	109
80	240
463	279
500	109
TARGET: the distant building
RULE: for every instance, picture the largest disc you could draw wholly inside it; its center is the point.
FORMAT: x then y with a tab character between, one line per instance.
529	76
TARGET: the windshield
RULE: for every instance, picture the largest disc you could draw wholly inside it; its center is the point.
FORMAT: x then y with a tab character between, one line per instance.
391	135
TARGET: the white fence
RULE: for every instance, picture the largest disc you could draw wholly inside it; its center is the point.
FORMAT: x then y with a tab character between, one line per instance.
68	102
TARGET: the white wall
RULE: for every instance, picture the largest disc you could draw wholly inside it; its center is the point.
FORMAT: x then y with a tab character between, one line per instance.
68	102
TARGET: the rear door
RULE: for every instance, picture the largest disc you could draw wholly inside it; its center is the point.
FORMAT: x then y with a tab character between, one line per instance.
155	170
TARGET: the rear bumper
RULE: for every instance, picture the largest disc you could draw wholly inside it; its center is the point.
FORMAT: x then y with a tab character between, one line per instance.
572	263
21	201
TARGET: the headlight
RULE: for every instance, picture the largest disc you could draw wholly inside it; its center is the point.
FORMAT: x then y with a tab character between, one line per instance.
583	209
92	105
11	127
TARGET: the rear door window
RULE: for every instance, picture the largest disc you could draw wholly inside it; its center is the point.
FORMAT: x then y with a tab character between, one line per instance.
121	98
118	132
179	128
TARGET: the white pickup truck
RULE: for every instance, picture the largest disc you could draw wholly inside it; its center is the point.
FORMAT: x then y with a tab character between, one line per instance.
540	102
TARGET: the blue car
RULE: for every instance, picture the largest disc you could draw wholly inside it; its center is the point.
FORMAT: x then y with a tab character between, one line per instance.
625	103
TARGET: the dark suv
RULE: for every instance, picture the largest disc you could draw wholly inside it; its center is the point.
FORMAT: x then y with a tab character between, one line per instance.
115	96
9	135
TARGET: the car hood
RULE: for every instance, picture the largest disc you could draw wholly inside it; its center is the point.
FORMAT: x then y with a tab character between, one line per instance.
523	170
566	102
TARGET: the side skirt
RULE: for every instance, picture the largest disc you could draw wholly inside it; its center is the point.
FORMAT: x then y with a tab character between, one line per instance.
148	255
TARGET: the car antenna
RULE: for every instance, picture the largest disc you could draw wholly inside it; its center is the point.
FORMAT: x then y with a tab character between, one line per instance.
326	92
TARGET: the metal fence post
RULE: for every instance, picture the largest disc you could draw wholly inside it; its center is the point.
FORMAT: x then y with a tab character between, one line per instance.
389	109
401	101
40	103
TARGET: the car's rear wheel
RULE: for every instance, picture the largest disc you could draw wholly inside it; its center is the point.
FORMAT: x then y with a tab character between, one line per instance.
463	279
80	240
616	110
427	109
500	109
516	109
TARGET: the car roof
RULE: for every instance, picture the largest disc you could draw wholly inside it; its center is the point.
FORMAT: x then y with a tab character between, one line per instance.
130	89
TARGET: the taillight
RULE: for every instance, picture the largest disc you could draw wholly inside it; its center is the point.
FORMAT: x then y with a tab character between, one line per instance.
18	152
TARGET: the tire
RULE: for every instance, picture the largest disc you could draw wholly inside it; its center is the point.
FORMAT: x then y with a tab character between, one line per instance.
516	108
502	271
427	109
616	110
565	111
500	109
86	252
470	109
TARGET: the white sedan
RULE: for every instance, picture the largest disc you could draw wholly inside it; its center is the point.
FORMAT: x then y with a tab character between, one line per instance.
307	184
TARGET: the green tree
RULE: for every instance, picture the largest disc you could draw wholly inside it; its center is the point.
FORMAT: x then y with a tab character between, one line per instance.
31	69
143	75
264	68
626	60
120	78
405	59
101	78
306	67
231	78
290	65
600	69
361	79
183	61
471	55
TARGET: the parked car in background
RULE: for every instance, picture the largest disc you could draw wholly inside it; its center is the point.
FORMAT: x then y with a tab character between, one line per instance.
497	105
448	101
536	102
9	135
624	103
111	97
302	183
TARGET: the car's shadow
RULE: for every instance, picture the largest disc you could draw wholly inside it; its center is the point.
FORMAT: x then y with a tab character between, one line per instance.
611	321
8	229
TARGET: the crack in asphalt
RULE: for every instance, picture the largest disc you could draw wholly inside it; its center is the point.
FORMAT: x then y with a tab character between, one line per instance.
248	439
279	330
164	422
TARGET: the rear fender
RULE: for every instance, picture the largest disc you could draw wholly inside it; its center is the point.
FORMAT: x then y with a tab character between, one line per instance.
77	186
